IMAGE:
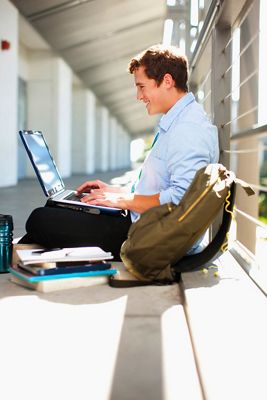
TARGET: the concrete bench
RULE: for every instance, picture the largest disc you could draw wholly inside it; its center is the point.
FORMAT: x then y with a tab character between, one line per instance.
227	321
202	339
95	343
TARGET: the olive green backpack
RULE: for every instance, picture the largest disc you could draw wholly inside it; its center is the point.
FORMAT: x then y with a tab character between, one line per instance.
164	234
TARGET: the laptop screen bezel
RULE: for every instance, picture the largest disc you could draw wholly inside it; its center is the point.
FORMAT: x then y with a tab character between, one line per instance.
47	191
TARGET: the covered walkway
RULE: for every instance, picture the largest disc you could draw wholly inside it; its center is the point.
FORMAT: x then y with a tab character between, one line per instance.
63	71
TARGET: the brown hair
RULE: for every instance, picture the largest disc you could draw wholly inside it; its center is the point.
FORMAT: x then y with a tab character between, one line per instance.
159	60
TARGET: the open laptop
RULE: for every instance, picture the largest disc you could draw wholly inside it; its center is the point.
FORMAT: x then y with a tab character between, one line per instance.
50	179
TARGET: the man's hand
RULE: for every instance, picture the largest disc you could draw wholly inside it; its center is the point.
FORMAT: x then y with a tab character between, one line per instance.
88	186
125	201
102	194
107	198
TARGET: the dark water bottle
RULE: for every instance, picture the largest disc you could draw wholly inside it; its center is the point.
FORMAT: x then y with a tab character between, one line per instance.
6	247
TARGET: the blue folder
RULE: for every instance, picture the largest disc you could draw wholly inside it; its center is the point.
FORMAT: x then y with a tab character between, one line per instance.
62	268
38	278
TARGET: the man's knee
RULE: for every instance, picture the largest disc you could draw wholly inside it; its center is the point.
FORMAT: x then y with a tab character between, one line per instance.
36	219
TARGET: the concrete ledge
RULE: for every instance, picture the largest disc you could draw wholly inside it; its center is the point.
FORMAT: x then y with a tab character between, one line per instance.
96	343
227	321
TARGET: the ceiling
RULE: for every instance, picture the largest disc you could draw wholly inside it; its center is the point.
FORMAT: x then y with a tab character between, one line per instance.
97	38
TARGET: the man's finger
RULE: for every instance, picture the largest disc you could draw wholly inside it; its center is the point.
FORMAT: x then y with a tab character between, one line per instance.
88	199
87	187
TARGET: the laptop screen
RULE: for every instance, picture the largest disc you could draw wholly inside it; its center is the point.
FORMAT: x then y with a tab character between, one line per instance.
42	162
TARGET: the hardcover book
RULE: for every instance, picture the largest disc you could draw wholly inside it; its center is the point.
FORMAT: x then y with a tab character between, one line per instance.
49	283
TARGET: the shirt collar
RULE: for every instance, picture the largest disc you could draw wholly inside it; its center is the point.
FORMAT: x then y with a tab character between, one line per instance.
168	118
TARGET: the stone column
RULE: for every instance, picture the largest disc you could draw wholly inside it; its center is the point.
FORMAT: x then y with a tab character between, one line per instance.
8	94
113	143
127	150
49	105
124	148
83	130
120	149
102	138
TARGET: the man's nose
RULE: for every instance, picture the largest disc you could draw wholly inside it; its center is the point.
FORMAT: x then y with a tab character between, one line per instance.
139	95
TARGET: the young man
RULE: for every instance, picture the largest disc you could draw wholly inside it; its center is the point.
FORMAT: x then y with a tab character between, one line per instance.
185	142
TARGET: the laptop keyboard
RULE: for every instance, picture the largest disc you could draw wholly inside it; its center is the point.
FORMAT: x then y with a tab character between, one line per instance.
74	197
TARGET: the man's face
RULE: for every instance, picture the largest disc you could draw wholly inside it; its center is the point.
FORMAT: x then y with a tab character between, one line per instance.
147	91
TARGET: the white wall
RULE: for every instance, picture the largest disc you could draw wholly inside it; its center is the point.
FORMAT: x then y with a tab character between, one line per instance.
8	94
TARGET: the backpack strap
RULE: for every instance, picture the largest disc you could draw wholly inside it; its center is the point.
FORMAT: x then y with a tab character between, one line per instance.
116	282
194	261
248	189
219	242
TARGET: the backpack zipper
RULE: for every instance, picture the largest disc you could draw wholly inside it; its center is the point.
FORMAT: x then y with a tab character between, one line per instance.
203	194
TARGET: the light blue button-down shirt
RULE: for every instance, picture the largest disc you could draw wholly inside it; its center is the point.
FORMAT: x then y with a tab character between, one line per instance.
187	141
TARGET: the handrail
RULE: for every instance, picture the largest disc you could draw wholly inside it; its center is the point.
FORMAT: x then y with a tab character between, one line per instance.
249	132
212	14
252	219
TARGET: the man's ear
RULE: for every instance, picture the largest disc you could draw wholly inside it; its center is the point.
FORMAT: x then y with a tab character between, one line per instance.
168	81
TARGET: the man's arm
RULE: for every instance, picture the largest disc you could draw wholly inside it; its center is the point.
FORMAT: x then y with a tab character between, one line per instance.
133	202
140	203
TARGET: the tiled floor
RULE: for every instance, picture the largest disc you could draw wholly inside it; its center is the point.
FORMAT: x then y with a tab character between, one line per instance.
27	195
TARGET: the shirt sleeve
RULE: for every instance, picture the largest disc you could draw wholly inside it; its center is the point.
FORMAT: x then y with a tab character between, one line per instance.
189	149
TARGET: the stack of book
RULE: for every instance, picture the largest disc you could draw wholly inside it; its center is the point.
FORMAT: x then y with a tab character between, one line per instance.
48	270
